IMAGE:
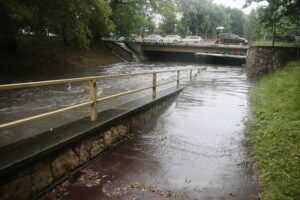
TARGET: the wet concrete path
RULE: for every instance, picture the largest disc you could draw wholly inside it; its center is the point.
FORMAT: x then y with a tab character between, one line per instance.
193	150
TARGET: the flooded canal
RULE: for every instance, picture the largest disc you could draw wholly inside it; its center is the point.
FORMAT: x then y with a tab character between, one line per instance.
21	103
193	150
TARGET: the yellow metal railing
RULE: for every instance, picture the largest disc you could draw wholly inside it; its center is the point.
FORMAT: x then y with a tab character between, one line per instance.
93	93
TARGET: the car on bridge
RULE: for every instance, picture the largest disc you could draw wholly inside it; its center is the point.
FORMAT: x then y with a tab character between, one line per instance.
172	39
230	38
129	38
153	39
121	39
192	39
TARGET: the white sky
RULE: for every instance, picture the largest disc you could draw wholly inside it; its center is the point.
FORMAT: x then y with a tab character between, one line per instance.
238	4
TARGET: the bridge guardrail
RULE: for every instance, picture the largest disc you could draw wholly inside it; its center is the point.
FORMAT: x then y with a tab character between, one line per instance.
92	90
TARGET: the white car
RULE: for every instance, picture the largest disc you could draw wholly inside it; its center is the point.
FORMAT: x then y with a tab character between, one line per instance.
153	39
121	39
172	39
192	39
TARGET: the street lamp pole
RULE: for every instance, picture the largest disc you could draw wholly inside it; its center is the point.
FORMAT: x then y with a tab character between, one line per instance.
273	37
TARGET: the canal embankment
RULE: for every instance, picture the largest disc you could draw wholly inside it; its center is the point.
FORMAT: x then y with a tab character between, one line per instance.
54	155
37	58
275	132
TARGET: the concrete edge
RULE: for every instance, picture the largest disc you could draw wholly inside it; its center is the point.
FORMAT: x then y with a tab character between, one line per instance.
26	160
275	47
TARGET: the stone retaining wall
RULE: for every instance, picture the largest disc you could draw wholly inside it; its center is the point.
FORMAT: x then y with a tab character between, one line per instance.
30	181
263	60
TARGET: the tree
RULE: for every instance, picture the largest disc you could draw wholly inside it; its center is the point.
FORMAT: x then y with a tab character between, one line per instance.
76	21
13	16
168	24
276	10
203	17
128	19
251	26
131	16
100	23
219	17
169	12
236	20
282	16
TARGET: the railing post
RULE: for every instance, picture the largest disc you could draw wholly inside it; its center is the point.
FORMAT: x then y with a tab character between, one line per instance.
191	74
178	77
93	96
154	85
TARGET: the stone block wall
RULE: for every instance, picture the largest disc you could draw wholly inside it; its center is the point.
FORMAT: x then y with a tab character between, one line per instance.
31	180
263	60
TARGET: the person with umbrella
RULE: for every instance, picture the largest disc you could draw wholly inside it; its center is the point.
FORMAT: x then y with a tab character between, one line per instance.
219	29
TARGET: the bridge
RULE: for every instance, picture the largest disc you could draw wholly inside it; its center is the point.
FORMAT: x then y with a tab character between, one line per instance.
153	50
205	48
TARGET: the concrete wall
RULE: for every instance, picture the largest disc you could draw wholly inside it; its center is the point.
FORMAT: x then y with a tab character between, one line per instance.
263	60
117	49
191	57
34	178
182	52
137	49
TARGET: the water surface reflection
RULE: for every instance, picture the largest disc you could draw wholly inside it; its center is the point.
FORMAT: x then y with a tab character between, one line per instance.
193	150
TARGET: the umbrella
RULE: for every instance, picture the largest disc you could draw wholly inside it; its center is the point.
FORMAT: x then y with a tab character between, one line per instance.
220	28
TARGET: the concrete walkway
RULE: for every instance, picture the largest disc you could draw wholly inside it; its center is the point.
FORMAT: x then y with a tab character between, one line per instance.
194	150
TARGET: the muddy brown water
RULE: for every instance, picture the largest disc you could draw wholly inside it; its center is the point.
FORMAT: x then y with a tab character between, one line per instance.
21	103
193	150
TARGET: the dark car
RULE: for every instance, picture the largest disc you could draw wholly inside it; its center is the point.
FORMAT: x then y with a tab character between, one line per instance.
230	38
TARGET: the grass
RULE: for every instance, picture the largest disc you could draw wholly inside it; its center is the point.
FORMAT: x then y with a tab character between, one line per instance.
278	44
275	133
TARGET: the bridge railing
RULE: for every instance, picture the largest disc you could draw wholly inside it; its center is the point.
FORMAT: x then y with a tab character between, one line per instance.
94	100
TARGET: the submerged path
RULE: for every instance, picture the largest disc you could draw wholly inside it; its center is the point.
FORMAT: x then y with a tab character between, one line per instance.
193	150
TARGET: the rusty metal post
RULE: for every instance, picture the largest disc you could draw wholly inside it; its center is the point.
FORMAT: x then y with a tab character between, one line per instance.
154	85
93	97
191	74
178	77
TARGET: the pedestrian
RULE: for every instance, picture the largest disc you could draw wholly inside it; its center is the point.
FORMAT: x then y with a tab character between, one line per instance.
218	37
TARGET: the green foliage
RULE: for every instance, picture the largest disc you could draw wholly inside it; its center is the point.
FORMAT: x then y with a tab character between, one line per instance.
76	21
197	18
70	20
128	19
134	16
168	10
203	16
236	21
284	15
13	15
251	26
279	9
99	22
219	17
275	133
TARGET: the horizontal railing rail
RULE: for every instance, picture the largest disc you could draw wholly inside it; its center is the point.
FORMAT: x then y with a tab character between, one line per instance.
93	93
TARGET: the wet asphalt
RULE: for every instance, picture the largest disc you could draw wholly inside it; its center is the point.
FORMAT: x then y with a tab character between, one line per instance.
193	150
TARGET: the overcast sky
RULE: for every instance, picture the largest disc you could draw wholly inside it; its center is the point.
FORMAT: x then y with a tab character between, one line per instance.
238	4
